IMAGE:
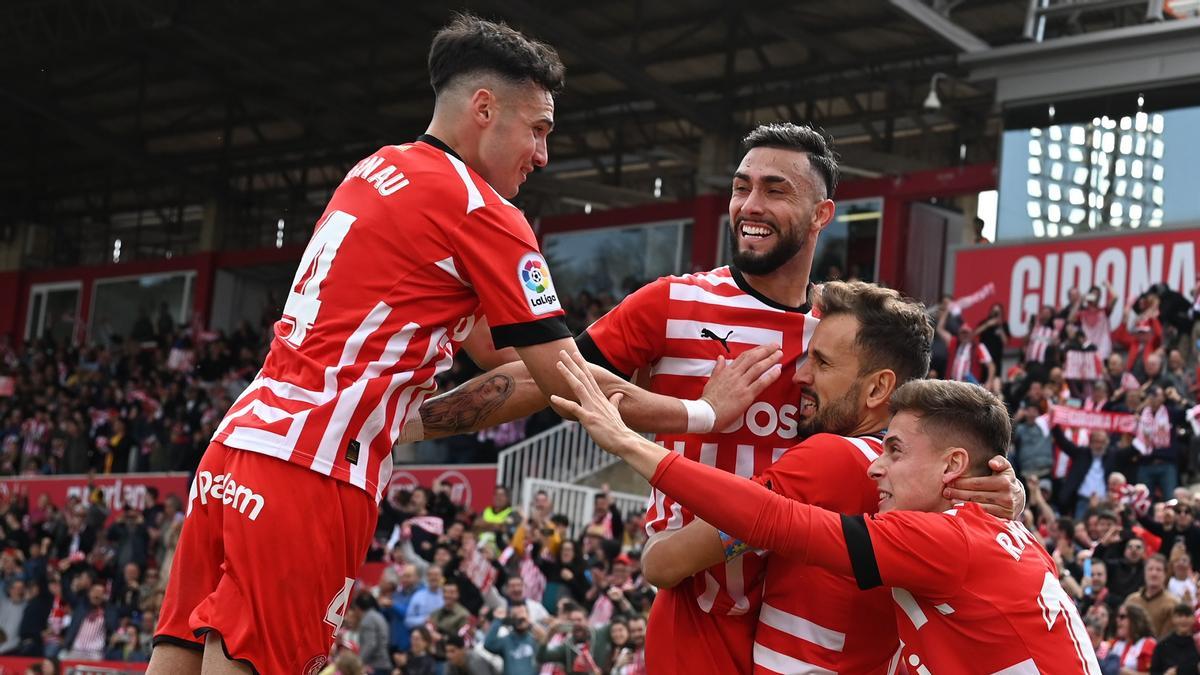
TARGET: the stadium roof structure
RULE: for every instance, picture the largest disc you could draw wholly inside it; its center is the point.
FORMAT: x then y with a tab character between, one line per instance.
159	115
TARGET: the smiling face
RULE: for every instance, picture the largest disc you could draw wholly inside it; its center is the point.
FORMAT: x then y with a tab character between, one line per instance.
830	386
773	208
515	121
909	472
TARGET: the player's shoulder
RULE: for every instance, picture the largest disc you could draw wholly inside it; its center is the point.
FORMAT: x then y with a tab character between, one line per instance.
835	446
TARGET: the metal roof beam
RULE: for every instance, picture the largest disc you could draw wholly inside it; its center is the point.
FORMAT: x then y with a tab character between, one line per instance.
944	28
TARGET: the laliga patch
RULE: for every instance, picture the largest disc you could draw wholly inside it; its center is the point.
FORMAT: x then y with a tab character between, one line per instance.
534	276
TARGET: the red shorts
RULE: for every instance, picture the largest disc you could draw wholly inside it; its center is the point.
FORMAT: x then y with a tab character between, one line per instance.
267	558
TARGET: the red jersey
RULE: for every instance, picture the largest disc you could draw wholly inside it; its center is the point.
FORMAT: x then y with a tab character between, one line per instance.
973	593
671	331
413	248
813	619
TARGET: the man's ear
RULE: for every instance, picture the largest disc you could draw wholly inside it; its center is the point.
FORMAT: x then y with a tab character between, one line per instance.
958	463
822	215
879	388
483	106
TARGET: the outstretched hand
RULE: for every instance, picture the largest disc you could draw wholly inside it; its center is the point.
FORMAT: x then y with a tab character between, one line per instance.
596	412
1000	494
734	385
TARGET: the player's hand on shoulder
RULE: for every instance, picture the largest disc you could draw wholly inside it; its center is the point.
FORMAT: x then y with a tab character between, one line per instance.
1000	494
734	385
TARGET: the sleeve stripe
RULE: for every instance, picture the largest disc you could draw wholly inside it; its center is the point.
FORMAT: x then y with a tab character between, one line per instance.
862	554
589	350
530	333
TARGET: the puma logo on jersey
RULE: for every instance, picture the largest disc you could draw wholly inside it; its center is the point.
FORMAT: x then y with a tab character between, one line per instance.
706	333
225	490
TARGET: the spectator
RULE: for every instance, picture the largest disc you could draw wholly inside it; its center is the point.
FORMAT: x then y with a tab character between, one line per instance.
396	610
583	648
1156	443
513	638
1153	596
496	517
451	618
1127	573
1087	479
1032	448
1182	583
632	659
92	624
373	634
1133	648
1176	652
514	591
427	599
460	661
12	608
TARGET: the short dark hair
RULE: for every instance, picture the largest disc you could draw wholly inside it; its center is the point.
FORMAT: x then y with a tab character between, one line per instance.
469	45
959	414
800	138
571	606
893	332
1182	609
455	641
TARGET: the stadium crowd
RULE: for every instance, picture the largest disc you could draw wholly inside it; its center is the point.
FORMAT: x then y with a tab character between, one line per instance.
509	592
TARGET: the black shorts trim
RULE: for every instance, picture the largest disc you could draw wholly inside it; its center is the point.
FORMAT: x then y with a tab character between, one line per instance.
203	633
530	333
589	350
173	641
862	553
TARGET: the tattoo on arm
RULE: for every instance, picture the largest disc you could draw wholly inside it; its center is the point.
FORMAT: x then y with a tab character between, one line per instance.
463	408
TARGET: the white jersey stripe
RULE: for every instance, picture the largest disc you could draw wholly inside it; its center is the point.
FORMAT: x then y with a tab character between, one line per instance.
671	365
782	663
474	197
717	279
864	447
798	626
909	604
447	266
689	293
374	424
1026	667
709	596
735	584
708	454
679	329
777	453
744	465
369	325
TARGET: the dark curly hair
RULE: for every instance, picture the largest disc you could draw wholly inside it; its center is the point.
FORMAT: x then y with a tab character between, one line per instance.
469	45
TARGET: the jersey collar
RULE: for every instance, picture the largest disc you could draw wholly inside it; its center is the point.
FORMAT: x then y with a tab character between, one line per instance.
439	144
750	290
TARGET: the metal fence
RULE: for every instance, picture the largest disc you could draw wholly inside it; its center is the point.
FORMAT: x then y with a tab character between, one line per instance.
576	501
564	454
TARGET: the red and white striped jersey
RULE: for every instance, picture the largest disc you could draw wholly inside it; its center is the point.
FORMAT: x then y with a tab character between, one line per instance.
813	620
412	250
672	330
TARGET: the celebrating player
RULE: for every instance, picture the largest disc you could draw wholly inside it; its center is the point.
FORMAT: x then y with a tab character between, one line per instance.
869	342
974	593
674	331
416	255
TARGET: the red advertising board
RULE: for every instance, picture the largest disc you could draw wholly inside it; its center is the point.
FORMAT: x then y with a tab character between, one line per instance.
118	490
19	665
1028	275
470	485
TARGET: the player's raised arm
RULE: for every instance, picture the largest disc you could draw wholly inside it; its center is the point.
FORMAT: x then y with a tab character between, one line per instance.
511	392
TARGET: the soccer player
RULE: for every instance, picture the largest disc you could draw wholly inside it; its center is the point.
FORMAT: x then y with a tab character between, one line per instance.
418	253
673	332
973	593
869	342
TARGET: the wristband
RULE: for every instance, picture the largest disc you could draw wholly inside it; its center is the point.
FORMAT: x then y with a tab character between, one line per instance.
700	414
413	430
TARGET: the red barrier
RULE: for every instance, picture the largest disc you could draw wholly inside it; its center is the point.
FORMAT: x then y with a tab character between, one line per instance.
1028	275
17	665
118	490
471	485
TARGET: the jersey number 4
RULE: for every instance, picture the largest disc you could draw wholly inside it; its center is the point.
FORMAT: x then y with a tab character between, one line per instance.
303	301
336	611
1055	602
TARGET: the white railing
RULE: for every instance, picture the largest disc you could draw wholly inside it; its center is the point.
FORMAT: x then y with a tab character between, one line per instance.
564	454
577	502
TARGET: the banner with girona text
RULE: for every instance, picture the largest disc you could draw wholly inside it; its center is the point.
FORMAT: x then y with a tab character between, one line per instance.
117	490
1066	416
469	485
1028	275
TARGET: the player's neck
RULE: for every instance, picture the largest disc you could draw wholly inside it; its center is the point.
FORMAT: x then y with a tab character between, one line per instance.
452	135
787	285
872	423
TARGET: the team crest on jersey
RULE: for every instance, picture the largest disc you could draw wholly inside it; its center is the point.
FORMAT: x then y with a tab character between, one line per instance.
314	665
535	281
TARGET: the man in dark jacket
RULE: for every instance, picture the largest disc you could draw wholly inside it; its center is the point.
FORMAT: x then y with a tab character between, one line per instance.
92	624
1177	652
1089	471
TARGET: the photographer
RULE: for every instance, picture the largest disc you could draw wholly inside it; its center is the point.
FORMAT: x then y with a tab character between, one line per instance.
583	649
515	639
